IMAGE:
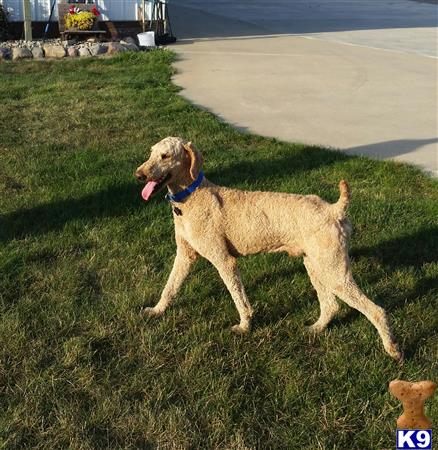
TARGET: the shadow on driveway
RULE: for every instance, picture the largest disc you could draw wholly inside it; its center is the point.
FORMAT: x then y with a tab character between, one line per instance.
195	19
390	149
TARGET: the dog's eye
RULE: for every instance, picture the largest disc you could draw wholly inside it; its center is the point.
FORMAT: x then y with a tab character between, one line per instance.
164	156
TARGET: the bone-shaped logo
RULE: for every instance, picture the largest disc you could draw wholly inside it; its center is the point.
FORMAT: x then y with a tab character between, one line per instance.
413	396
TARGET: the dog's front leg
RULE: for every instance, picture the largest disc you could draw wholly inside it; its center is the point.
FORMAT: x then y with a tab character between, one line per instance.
184	259
229	272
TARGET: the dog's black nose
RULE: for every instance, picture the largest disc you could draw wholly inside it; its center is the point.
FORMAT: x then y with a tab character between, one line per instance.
140	176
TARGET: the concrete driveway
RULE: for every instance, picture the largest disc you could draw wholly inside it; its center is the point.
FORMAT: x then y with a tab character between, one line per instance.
360	76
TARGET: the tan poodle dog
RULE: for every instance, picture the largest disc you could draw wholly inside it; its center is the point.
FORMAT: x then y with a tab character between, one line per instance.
221	224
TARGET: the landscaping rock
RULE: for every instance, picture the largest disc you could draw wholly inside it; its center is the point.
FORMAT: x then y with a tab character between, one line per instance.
115	47
128	40
84	52
57	48
5	53
54	51
98	49
21	53
72	52
130	46
37	53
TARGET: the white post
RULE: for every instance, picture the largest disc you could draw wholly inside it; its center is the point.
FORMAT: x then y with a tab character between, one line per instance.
27	20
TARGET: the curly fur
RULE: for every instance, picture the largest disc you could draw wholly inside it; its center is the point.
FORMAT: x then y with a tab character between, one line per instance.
221	224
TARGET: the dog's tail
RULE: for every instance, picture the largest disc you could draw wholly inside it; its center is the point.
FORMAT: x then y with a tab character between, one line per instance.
340	207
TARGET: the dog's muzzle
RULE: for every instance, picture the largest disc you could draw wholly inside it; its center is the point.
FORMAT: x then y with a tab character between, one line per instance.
140	176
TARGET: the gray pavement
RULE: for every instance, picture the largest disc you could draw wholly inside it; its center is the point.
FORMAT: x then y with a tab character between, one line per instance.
359	76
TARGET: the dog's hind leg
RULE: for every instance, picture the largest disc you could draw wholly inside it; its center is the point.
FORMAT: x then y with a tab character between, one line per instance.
349	292
327	300
184	259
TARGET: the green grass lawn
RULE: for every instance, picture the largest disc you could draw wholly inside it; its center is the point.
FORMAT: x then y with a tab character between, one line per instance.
81	254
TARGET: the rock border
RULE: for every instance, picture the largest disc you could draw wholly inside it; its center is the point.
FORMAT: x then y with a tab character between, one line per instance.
58	49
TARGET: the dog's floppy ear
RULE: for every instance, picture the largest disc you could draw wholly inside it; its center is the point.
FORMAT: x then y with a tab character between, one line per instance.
196	159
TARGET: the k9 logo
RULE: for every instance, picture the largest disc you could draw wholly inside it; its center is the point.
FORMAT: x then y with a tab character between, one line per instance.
414	439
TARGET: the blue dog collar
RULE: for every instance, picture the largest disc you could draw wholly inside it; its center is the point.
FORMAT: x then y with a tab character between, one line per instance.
180	196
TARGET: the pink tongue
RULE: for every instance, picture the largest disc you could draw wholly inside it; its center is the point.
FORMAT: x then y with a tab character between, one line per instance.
148	189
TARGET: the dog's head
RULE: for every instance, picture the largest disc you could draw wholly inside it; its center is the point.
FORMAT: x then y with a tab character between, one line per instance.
172	160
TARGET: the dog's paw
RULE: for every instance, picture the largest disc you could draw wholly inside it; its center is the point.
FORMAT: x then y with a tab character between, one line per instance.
316	328
400	358
394	351
151	312
240	329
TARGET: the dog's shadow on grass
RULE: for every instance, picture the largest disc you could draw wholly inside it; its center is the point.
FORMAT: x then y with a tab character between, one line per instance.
112	202
281	164
123	198
411	250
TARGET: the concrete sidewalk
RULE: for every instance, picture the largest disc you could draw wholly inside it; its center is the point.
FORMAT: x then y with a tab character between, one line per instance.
358	76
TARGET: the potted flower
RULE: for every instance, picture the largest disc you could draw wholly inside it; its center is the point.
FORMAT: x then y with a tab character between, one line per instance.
76	19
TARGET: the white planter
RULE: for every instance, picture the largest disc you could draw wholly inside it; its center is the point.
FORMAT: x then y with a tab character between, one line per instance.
146	39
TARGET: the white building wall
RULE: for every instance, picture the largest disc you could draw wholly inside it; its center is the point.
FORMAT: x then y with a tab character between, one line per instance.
118	9
39	9
114	10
